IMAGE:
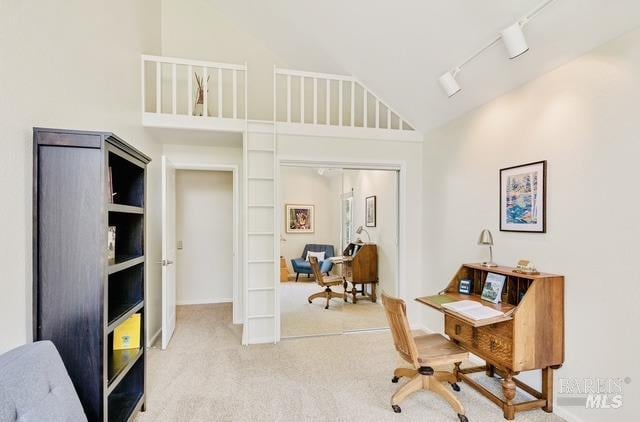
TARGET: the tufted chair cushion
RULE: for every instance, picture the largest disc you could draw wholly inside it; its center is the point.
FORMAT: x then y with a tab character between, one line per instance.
35	386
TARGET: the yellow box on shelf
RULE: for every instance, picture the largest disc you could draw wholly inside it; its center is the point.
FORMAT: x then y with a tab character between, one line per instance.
127	334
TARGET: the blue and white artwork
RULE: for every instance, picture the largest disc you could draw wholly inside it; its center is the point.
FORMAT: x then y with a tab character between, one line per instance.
522	193
522	198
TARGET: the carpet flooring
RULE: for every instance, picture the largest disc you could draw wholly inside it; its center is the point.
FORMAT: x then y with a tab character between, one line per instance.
301	318
206	375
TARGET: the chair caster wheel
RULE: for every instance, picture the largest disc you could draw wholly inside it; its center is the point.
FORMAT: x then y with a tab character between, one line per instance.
310	302
462	418
395	380
396	408
326	307
455	387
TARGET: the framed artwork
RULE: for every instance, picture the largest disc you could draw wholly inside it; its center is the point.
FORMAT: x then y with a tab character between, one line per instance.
299	218
370	211
523	201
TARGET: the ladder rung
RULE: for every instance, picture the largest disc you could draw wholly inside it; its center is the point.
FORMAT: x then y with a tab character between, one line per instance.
260	178
261	289
260	233
260	150
260	261
260	316
261	206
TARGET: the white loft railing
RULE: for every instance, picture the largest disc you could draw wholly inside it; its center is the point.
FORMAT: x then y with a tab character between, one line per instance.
186	93
331	100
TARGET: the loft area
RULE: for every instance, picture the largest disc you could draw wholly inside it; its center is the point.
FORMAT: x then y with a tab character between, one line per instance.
191	94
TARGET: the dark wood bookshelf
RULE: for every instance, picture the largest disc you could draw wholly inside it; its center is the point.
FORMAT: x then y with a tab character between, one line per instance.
80	296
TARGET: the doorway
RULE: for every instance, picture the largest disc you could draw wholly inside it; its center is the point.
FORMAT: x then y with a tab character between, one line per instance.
200	239
338	197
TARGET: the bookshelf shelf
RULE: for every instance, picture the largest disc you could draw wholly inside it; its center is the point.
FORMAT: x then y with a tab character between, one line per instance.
126	396
125	209
119	364
80	295
124	262
122	313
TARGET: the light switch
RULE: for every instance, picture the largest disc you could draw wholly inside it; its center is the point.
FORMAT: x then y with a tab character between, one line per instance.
179	245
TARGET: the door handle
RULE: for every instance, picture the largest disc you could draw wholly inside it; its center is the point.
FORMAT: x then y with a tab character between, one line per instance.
165	262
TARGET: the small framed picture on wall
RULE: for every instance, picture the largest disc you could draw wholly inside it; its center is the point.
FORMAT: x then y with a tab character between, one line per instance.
523	204
370	211
299	218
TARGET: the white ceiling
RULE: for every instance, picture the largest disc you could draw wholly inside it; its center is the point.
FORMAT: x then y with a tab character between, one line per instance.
400	48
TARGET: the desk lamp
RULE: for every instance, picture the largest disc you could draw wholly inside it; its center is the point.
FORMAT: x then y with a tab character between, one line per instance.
361	229
487	239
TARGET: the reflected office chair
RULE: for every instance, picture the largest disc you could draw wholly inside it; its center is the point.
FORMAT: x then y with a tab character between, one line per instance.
422	353
326	282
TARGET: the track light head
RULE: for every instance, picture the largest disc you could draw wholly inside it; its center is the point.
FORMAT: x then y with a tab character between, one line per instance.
514	40
449	83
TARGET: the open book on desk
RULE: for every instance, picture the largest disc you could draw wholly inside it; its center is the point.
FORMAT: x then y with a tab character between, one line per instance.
472	310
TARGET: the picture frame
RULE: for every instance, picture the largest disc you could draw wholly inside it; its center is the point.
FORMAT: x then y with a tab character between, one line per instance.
523	198
493	285
299	218
370	211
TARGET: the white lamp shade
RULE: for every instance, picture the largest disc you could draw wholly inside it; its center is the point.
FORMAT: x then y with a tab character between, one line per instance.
449	84
514	41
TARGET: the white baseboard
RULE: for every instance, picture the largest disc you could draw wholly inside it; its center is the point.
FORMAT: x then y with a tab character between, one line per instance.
205	301
566	414
261	340
154	337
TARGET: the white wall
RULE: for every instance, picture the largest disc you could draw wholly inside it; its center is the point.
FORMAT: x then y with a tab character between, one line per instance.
350	152
304	186
62	68
383	185
204	225
583	119
196	29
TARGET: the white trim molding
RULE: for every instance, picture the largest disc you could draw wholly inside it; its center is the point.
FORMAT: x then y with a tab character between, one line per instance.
209	301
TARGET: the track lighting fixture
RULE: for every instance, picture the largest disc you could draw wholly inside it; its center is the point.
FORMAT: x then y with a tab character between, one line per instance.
449	83
514	42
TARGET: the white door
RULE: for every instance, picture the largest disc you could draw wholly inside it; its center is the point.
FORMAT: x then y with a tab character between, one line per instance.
168	251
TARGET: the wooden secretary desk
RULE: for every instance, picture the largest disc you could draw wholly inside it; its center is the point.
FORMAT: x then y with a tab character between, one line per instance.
530	334
360	266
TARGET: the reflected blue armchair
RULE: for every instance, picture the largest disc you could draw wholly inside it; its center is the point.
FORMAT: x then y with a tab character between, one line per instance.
302	266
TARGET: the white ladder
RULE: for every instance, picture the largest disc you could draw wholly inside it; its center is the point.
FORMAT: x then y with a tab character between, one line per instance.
261	234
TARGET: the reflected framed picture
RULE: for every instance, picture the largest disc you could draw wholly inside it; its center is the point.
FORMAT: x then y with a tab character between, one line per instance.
370	211
299	218
523	204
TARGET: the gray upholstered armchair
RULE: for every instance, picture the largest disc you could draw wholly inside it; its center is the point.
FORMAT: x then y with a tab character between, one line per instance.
35	386
302	266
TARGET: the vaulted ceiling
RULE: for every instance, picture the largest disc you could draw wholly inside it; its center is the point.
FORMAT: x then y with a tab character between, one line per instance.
400	48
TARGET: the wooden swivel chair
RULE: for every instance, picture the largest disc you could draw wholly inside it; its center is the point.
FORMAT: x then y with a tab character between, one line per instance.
326	282
422	353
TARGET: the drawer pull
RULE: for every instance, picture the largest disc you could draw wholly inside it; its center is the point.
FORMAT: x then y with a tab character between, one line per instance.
458	329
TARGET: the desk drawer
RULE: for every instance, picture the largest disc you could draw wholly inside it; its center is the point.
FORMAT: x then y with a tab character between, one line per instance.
492	342
458	330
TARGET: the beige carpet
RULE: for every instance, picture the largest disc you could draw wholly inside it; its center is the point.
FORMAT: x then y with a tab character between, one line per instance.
206	375
301	318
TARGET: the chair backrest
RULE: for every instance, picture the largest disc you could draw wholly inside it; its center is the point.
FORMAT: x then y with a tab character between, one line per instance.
35	386
396	311
314	247
313	261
